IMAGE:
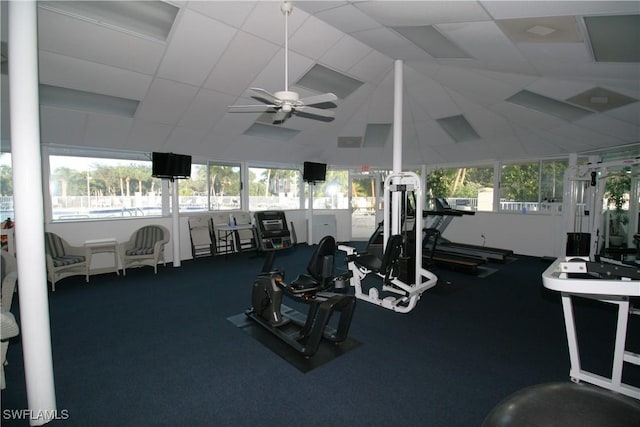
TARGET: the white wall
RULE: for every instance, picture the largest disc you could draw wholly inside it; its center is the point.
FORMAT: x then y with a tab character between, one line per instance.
526	234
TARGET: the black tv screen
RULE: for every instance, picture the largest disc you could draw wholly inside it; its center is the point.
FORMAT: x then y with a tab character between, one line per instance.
314	172
170	165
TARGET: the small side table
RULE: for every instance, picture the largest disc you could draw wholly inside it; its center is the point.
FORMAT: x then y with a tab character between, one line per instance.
101	246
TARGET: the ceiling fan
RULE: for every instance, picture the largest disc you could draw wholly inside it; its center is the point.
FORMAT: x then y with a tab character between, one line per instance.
286	102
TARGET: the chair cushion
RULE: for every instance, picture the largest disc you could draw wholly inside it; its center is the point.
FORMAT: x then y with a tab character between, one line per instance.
146	237
54	244
67	260
139	251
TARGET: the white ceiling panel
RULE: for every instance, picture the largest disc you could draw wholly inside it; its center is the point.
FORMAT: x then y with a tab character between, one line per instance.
305	41
483	90
485	42
232	13
194	48
600	123
147	136
347	18
166	102
267	21
63	127
71	73
345	54
524	9
415	13
207	108
243	59
390	43
184	140
372	67
104	130
59	33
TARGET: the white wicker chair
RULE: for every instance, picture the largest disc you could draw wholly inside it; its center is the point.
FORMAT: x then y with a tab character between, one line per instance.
145	247
63	259
8	325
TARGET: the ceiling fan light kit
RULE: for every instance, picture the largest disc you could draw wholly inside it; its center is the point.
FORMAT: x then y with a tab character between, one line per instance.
286	102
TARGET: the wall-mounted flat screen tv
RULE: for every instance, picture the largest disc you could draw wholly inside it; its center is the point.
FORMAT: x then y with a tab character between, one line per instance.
314	172
170	165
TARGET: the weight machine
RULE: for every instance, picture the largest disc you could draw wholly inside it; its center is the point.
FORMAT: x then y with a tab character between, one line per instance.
403	277
584	191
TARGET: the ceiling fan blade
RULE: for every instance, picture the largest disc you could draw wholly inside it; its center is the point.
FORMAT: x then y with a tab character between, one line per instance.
316	111
319	99
271	98
257	108
280	116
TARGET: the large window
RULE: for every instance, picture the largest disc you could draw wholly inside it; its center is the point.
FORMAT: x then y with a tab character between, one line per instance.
6	187
225	186
274	188
193	191
462	187
92	187
531	187
333	193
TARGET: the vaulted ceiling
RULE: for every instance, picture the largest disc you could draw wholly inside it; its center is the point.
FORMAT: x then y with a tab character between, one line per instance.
483	80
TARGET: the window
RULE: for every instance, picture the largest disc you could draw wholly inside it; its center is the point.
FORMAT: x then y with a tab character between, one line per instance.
274	189
552	182
532	187
6	187
462	187
519	187
225	187
93	187
333	193
192	192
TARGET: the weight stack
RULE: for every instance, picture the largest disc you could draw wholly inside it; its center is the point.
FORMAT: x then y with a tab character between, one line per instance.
578	244
406	270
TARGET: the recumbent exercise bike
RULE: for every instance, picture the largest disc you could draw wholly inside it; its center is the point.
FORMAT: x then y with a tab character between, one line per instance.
304	334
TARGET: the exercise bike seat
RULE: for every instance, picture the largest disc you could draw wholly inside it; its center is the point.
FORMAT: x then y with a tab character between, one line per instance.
319	274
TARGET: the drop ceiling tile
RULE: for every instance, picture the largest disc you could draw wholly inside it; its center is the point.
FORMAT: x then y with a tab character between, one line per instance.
609	126
525	9
104	130
91	42
166	102
391	44
345	54
207	108
241	62
412	13
347	18
485	42
306	42
268	22
64	71
194	48
480	89
65	127
230	12
601	99
183	140
558	88
145	136
372	67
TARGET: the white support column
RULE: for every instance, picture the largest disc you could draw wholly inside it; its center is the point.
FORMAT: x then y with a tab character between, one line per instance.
29	211
175	222
312	187
397	145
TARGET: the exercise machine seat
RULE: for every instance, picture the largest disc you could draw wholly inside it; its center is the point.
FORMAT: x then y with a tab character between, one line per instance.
319	274
383	266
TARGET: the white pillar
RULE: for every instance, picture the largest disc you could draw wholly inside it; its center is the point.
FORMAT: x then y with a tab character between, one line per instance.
175	222
28	208
397	145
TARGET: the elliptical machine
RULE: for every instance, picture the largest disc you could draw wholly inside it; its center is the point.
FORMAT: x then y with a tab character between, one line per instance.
304	333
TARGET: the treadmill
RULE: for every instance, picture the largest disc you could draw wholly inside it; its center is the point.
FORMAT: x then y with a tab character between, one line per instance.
446	246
